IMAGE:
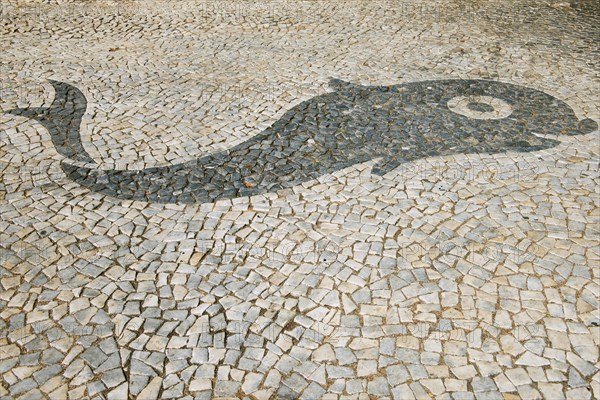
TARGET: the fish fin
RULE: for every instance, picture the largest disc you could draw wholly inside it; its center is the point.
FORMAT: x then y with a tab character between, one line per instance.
339	85
386	165
587	126
62	120
34	112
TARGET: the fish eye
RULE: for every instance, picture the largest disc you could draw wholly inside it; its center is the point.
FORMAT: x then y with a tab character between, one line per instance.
480	107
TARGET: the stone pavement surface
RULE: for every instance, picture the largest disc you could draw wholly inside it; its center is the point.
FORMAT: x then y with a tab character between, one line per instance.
461	261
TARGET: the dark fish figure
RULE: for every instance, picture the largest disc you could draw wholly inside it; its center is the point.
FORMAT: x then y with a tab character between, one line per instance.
353	124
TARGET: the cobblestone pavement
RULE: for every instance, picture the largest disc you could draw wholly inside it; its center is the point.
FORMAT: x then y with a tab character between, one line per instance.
366	236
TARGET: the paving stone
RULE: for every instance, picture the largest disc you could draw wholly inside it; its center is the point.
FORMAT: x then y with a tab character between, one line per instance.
288	208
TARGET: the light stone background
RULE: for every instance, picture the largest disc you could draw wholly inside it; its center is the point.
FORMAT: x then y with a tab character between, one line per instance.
469	276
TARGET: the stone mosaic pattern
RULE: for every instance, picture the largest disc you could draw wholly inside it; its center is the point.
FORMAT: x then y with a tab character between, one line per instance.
457	276
395	124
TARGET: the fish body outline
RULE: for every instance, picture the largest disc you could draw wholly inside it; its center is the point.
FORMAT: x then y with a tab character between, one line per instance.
352	124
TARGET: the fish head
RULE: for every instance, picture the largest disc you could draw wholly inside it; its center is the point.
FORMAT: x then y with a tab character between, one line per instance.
516	110
451	116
